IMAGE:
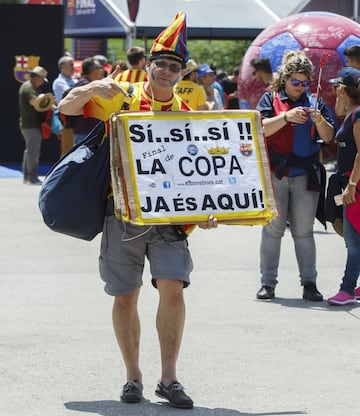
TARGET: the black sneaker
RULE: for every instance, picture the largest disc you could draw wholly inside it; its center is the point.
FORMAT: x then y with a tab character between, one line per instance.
35	181
311	293
175	394
265	292
132	392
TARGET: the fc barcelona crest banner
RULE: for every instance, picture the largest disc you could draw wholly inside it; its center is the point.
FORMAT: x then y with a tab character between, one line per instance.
180	167
23	66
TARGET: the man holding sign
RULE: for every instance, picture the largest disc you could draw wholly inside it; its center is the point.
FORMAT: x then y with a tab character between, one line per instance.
124	245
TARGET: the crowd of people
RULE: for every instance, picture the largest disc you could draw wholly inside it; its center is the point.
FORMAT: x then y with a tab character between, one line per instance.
202	87
294	122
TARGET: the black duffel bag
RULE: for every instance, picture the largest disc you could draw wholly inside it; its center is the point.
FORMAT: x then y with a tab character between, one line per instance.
73	196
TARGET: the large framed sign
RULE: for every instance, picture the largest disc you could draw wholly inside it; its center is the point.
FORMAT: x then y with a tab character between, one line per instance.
180	167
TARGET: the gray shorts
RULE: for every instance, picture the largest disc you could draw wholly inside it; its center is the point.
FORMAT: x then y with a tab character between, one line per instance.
123	250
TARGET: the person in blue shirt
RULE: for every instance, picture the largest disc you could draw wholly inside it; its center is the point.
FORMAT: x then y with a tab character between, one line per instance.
61	84
294	121
207	78
347	85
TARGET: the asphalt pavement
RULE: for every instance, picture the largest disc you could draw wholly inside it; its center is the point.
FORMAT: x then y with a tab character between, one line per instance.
239	356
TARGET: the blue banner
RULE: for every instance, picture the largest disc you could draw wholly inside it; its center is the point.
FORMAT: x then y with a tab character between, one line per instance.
90	18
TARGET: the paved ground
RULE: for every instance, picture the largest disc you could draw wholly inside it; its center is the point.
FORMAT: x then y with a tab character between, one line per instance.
240	356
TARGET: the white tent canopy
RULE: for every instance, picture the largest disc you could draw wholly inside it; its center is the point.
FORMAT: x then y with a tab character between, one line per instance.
206	19
213	19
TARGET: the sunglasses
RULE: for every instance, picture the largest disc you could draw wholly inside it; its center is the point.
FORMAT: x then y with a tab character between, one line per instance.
296	83
175	68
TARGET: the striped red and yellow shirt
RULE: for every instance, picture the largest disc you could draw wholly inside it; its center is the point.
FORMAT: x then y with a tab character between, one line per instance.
102	109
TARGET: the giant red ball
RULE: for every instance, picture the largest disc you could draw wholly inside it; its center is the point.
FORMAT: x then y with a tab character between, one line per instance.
315	33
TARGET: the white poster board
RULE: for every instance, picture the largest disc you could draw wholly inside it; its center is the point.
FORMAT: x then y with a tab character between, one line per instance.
181	167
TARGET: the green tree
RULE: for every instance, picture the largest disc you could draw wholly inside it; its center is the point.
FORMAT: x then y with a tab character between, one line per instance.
224	54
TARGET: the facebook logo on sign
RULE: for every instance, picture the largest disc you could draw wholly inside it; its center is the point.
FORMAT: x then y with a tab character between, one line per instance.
166	184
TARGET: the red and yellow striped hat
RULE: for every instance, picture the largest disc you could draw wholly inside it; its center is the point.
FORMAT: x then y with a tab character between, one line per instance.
171	42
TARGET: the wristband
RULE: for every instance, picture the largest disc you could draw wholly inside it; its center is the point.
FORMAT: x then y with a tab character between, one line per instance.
320	122
351	183
285	117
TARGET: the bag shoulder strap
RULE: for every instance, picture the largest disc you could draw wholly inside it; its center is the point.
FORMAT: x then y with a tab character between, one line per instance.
126	103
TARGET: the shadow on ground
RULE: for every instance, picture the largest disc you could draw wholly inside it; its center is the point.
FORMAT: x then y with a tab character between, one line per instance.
146	408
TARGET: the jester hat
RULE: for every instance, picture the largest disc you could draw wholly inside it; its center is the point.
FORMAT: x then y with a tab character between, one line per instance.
171	42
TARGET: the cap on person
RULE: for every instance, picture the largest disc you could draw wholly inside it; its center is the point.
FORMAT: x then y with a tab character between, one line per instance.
89	64
171	43
205	69
352	51
40	71
348	76
191	66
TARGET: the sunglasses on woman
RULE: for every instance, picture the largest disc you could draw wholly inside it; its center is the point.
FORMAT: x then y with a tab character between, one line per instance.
296	83
175	68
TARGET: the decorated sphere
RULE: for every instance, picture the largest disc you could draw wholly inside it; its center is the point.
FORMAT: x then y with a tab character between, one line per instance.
317	33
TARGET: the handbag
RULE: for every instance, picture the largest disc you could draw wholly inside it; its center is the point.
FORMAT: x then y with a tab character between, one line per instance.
56	125
46	124
352	211
74	192
51	124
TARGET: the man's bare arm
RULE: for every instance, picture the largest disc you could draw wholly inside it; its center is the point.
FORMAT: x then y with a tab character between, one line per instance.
106	88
